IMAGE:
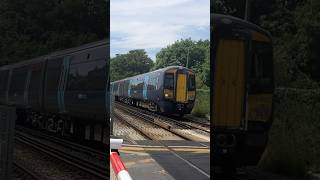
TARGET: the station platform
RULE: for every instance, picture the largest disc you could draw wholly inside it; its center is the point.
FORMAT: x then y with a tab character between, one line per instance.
166	159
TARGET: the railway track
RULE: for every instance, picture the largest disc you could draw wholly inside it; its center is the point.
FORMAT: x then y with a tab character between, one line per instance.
22	172
190	123
150	128
201	124
181	129
123	129
54	149
66	143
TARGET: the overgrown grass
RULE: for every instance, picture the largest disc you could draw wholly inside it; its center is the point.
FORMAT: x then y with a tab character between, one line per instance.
202	104
294	145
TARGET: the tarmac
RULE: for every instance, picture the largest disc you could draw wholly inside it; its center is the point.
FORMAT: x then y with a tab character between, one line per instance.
167	160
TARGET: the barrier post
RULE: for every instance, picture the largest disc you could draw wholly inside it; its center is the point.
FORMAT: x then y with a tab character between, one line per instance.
117	165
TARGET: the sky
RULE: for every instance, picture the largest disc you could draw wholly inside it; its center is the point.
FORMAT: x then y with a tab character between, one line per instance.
155	24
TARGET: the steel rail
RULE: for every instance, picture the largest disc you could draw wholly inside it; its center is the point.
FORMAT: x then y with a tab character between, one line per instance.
85	165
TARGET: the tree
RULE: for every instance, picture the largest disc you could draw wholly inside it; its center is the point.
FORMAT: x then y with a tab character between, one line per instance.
35	27
294	26
126	65
187	53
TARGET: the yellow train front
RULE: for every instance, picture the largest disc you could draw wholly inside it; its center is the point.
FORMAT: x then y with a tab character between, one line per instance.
242	91
170	90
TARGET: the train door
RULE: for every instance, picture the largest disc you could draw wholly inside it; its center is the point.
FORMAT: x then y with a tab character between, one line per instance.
26	88
229	83
17	86
145	87
63	83
181	90
129	87
53	73
35	86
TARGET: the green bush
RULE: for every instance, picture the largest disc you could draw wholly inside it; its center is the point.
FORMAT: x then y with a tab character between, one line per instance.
202	103
294	144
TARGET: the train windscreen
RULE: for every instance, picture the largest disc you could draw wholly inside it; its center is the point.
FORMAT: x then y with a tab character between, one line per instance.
261	75
169	81
191	83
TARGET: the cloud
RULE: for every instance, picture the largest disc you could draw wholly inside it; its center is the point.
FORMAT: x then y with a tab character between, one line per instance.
154	24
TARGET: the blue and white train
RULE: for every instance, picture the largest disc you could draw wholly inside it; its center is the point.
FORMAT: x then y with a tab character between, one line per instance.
171	90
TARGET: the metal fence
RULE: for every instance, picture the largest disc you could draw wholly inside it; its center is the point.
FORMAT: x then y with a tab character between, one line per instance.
7	126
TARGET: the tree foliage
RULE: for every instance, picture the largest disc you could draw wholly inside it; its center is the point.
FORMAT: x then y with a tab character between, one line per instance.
294	136
36	27
294	25
187	53
126	65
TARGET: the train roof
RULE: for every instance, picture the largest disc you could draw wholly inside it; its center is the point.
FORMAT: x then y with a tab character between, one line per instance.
56	53
80	48
232	21
158	70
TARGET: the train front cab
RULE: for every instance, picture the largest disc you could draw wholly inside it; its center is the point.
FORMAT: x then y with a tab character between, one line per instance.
242	92
179	91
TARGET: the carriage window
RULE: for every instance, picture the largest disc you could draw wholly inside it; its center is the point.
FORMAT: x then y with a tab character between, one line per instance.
169	81
87	76
191	83
152	83
261	72
18	80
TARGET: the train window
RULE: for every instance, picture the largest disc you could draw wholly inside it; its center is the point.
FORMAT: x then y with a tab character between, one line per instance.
87	76
152	84
191	83
98	53
35	81
134	84
79	58
18	80
169	81
139	84
261	72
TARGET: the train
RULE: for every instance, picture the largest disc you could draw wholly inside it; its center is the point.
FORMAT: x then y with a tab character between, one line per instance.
241	91
65	92
170	90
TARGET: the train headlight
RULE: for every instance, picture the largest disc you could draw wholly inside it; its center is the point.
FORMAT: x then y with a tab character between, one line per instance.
168	94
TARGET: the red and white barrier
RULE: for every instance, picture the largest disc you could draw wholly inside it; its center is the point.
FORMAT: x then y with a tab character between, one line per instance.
118	167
